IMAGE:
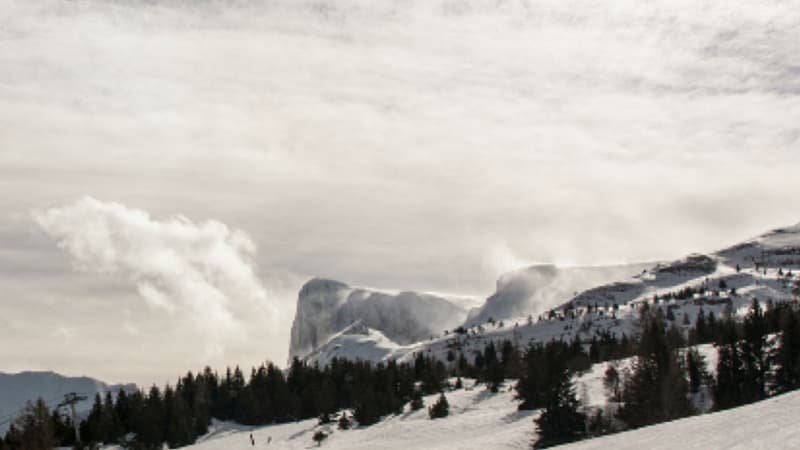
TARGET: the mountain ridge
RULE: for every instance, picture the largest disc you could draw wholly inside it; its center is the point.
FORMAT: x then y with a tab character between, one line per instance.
721	282
16	389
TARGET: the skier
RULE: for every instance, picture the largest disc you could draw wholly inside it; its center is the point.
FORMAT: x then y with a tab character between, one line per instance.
252	441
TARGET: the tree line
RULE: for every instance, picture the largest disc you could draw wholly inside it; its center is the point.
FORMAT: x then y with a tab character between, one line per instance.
177	415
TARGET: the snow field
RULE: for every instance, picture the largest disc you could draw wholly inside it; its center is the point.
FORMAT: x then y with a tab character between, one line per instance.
478	420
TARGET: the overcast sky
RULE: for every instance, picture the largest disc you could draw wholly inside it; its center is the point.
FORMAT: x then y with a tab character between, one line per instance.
172	172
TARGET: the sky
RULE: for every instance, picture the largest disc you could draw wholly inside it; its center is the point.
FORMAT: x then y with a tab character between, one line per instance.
172	172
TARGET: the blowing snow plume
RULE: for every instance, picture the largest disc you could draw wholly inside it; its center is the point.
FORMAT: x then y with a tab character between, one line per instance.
201	270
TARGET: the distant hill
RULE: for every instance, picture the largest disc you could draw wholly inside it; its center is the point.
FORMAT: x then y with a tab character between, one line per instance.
19	388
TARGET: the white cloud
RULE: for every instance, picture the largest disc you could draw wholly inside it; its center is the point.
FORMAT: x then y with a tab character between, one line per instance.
199	272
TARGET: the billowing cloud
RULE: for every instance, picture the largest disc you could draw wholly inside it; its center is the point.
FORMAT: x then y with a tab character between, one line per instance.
197	271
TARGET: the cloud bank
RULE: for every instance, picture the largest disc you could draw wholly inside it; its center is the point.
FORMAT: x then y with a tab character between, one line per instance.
202	272
409	144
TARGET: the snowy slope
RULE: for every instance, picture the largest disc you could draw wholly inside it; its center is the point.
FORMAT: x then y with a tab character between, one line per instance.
478	420
778	248
326	307
535	289
356	342
17	389
770	424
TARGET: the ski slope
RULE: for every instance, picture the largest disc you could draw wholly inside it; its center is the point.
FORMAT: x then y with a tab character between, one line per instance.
770	424
480	420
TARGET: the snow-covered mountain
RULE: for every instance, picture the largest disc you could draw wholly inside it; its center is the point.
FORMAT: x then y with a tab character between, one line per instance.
356	342
535	289
327	307
763	268
778	248
19	388
759	268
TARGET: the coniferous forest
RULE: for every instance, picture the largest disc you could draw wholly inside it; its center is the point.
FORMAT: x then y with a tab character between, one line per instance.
758	357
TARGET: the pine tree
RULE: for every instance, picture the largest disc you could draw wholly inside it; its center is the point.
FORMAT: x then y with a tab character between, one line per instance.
224	397
417	402
701	328
753	349
97	426
133	409
788	372
560	422
236	391
151	421
510	360
122	414
276	395
440	408
33	429
657	390
109	423
462	365
543	366
344	422
64	433
178	431
493	372
365	411
696	368
611	382
197	398
730	373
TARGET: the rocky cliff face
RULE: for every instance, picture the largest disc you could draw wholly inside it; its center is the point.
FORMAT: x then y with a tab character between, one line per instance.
326	307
